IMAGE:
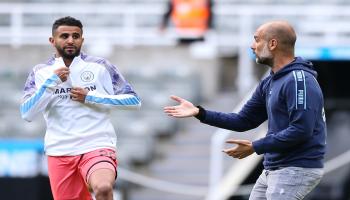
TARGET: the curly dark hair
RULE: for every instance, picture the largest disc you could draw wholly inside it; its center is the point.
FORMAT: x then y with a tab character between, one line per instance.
66	21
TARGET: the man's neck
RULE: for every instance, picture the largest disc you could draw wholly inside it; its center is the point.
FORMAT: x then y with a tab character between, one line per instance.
67	62
280	63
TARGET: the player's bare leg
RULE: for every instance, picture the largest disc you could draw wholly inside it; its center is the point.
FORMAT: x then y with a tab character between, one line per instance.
101	181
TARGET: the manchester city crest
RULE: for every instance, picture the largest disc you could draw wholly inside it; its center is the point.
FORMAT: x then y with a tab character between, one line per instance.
87	76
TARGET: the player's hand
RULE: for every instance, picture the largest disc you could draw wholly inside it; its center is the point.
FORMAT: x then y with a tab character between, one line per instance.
78	94
184	109
243	149
63	73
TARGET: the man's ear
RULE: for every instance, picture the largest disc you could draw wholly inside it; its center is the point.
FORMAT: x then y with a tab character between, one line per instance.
51	40
273	44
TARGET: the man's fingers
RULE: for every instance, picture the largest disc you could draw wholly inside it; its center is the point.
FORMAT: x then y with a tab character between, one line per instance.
230	150
78	90
62	73
168	108
176	98
73	95
233	153
75	92
62	70
170	111
240	142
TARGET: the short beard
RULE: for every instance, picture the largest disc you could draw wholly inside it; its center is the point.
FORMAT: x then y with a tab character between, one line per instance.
66	55
265	57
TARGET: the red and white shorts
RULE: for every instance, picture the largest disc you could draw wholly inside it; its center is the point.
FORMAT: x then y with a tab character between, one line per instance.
69	175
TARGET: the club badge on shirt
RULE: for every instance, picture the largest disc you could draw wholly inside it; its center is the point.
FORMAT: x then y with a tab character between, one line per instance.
87	76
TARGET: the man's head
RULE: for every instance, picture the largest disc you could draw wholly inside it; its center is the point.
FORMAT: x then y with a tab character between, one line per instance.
67	37
272	39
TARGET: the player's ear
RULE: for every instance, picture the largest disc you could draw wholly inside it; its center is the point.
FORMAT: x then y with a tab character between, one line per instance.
51	40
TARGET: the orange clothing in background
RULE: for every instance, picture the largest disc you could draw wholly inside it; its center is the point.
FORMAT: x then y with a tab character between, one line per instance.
190	17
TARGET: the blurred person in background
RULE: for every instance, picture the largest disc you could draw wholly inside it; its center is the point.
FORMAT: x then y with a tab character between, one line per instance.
291	99
191	18
75	93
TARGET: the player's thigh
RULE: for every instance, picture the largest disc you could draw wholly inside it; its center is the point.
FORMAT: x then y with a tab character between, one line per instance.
99	163
292	183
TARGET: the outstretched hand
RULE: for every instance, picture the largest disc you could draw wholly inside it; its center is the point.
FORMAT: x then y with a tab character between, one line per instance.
184	109
243	149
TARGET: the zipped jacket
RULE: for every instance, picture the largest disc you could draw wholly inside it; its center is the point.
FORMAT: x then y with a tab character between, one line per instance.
292	102
74	128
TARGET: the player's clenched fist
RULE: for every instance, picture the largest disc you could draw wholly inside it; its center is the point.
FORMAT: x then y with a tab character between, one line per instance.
78	94
63	73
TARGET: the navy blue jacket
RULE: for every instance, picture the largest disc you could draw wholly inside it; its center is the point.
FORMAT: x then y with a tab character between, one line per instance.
292	101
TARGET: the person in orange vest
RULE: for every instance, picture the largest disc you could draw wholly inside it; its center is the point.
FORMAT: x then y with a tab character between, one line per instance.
191	19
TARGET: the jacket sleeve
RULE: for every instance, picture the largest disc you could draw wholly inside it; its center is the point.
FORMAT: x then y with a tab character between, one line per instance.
303	99
37	94
251	116
118	92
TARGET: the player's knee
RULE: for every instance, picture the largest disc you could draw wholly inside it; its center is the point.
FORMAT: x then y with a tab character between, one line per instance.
103	189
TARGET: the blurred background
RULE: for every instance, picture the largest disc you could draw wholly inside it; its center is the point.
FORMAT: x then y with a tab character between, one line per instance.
161	158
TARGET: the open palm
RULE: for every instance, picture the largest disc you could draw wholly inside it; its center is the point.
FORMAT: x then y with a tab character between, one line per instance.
243	149
184	109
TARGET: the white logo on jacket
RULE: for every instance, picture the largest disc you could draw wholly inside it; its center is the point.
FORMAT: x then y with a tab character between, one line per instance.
87	76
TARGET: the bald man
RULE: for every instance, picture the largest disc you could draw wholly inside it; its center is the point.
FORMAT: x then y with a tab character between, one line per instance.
291	100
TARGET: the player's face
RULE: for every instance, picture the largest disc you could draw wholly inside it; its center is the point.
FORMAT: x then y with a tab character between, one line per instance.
261	50
67	40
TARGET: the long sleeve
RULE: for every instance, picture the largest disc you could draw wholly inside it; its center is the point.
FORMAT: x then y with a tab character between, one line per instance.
118	92
37	94
127	101
251	116
304	103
